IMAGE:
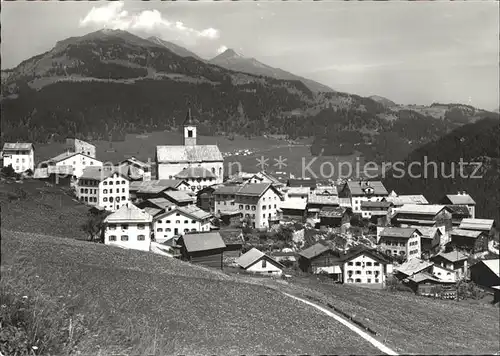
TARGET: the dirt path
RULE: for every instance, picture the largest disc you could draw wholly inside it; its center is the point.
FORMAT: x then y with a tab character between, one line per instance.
351	326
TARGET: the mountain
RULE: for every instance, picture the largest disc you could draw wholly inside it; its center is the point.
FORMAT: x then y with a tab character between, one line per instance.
108	83
384	101
231	60
178	50
476	142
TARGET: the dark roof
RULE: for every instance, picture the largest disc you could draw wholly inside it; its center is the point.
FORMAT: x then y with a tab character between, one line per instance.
459	199
100	173
255	189
188	121
167	183
203	241
311	183
195	172
332	212
404	232
375	204
458	210
314	251
355	252
466	233
18	146
179	196
227	189
453	256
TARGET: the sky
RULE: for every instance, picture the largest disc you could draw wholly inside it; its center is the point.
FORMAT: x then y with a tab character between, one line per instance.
409	52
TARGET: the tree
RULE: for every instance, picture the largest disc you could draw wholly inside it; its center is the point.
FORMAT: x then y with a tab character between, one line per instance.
9	171
94	226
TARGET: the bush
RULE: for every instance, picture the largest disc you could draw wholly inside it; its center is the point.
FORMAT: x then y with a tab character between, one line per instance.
8	171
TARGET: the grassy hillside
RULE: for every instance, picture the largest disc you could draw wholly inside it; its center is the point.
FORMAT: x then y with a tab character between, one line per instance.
33	206
97	299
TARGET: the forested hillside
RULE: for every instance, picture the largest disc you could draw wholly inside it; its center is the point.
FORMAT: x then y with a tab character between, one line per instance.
477	142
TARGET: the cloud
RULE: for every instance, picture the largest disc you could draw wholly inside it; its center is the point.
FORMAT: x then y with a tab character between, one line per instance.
113	16
221	49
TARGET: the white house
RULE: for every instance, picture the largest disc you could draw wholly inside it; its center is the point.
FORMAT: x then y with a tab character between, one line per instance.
21	156
255	261
258	202
180	220
364	267
198	178
224	199
78	161
103	187
128	227
444	274
296	194
358	191
135	169
171	160
401	241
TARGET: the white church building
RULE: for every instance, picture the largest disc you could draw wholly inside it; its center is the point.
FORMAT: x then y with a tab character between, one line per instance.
199	165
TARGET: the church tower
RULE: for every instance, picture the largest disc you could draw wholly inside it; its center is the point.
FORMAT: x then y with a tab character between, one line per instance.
189	130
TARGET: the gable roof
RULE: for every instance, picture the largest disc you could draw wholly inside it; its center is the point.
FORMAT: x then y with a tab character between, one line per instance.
203	241
253	256
273	179
458	210
65	155
413	266
314	251
309	183
323	199
227	189
355	252
477	224
179	196
453	256
134	161
130	214
198	153
298	191
152	211
167	183
100	173
161	203
18	146
460	199
424	276
191	211
375	204
493	265
195	172
466	233
429	232
358	188
255	189
430	209
399	232
326	190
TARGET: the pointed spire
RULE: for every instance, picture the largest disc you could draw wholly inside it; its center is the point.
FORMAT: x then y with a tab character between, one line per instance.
189	120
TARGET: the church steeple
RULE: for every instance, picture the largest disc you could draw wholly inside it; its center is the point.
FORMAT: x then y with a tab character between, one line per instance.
189	130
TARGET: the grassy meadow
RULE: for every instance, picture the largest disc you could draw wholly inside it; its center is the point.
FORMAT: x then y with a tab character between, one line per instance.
66	296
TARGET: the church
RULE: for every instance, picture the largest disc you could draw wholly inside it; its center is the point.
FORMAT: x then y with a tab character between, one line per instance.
198	165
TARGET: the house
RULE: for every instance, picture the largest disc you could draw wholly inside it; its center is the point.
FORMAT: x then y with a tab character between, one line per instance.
454	260
259	203
265	177
171	160
179	197
284	256
334	216
204	248
318	200
78	146
486	225
469	240
423	215
205	198
416	265
180	220
320	259
327	190
444	274
233	238
375	209
128	227
161	204
136	170
104	187
426	284
461	198
358	191
60	175
400	200
140	190
224	199
431	239
364	267
255	261
294	194
198	178
293	210
21	156
458	213
303	183
486	273
403	242
77	160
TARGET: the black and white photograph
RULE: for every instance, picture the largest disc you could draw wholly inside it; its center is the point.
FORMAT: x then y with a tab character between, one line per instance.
250	178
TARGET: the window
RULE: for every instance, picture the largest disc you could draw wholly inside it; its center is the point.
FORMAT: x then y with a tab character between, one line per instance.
264	263
111	199
247	207
193	221
111	183
368	272
368	280
177	214
124	198
253	207
112	238
105	191
264	207
253	216
159	229
141	238
274	206
358	280
186	221
376	264
264	216
140	226
105	183
124	226
123	190
241	207
358	263
358	272
376	280
168	229
81	191
368	263
159	221
168	222
105	199
350	263
177	221
124	237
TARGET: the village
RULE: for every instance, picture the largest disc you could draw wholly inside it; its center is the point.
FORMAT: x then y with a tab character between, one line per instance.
354	232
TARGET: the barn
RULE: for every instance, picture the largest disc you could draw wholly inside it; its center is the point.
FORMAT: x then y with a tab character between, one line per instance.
204	248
